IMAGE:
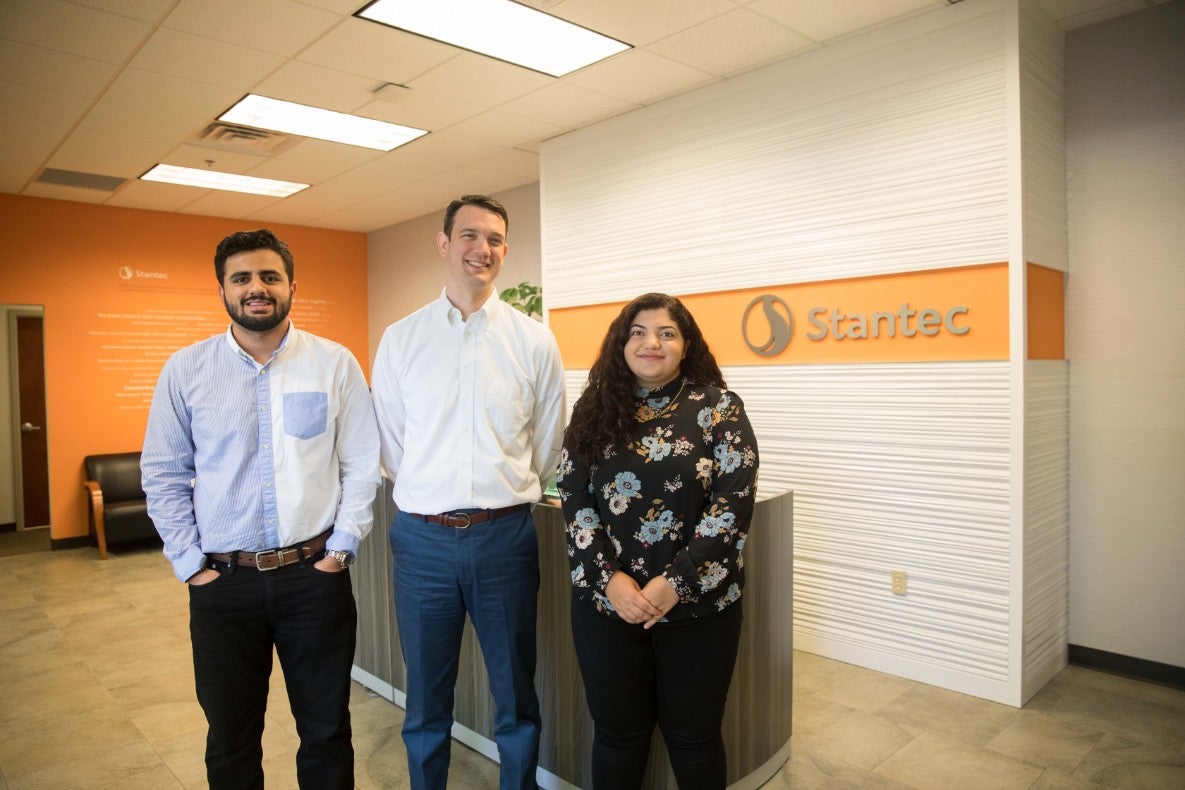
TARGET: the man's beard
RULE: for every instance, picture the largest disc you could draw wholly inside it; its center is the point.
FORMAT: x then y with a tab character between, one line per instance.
260	323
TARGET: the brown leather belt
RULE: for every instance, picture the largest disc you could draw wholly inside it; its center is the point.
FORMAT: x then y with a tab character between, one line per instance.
274	558
459	519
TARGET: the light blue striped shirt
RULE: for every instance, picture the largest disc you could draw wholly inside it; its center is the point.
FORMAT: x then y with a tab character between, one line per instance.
240	455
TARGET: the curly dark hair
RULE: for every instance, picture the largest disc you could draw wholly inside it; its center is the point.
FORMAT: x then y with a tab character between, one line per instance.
604	413
247	240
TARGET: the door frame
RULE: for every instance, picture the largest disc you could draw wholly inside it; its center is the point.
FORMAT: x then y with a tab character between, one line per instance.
13	312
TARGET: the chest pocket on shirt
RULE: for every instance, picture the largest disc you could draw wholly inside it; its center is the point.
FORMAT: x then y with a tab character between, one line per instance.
305	414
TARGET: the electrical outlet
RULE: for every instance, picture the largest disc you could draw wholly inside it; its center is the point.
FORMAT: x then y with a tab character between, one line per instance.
899	583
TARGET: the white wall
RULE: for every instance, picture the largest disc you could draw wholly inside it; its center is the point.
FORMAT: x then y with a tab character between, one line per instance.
405	271
1125	108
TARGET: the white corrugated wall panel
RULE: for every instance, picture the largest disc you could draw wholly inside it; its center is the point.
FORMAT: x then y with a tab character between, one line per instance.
1047	522
1043	118
866	158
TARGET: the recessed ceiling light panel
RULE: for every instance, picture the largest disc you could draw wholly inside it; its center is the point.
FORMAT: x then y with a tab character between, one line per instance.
338	127
501	29
212	179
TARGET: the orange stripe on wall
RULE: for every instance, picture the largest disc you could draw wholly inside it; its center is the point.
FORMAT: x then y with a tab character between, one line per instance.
1046	295
973	298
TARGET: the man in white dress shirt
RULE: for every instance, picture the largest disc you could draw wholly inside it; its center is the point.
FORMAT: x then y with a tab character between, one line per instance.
469	396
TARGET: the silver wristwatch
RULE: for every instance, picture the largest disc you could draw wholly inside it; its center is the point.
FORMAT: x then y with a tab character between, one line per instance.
344	558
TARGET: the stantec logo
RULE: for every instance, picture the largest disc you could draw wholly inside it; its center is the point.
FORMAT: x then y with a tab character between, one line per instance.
768	332
779	321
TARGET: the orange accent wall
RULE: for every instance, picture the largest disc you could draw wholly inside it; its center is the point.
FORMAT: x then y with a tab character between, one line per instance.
1046	295
122	289
982	290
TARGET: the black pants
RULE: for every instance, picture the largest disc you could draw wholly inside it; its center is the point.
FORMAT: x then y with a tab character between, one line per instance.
675	674
310	618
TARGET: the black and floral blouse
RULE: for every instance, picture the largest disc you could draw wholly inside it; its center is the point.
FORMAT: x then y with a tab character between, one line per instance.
676	501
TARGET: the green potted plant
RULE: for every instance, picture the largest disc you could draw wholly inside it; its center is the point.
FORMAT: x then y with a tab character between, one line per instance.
524	297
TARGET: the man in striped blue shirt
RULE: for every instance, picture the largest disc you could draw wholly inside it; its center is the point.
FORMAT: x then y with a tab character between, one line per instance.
260	463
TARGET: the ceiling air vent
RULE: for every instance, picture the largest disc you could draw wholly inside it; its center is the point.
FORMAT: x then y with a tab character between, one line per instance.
244	139
73	178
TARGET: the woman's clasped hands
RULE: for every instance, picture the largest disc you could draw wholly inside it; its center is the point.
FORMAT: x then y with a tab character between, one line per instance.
646	605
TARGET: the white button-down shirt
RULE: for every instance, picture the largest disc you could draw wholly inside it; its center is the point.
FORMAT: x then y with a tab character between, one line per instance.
470	413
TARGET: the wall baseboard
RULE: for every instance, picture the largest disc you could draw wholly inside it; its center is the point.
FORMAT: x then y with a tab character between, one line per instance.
1136	668
69	543
8	527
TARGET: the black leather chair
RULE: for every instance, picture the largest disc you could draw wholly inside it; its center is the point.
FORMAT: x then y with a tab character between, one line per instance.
117	504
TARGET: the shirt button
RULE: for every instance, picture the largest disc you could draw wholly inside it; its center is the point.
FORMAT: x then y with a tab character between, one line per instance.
263	408
268	484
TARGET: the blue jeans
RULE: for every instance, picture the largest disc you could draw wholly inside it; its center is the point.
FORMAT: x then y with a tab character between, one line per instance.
310	618
490	571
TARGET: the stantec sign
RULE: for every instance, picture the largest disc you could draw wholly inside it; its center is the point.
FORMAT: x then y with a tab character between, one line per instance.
939	315
832	322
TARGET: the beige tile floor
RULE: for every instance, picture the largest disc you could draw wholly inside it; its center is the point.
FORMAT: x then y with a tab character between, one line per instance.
96	691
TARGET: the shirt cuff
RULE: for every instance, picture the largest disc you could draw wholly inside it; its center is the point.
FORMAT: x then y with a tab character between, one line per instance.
189	563
343	541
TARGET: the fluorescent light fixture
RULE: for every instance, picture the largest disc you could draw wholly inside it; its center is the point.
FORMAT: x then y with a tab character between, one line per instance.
337	127
501	29
212	179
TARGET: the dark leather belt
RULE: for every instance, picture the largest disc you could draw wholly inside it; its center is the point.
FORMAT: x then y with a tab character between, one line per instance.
274	558
459	519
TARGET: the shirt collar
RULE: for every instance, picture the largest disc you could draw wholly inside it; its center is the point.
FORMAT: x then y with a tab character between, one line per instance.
237	349
478	318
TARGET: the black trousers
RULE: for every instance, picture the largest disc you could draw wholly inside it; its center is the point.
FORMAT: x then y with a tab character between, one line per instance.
675	674
310	618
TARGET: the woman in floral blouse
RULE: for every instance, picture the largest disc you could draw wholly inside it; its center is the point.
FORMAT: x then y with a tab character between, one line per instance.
657	477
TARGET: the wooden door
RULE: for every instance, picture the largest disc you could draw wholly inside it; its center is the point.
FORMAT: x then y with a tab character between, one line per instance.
34	460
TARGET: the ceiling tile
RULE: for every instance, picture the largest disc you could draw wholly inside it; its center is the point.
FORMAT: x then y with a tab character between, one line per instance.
107	153
27	145
819	20
180	54
318	86
219	203
39	104
639	24
639	77
732	43
199	100
154	195
512	161
450	148
382	53
338	156
421	110
144	10
45	68
202	157
405	165
506	129
70	28
480	80
567	106
168	127
282	27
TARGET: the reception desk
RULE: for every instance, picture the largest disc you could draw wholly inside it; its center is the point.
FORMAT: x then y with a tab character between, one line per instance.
757	718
